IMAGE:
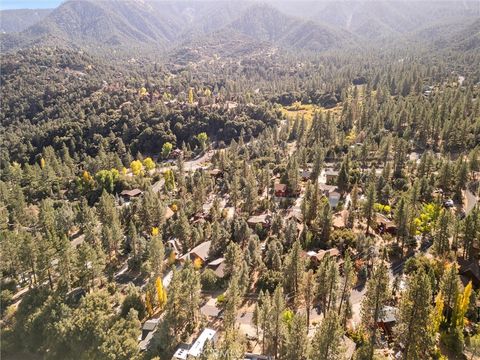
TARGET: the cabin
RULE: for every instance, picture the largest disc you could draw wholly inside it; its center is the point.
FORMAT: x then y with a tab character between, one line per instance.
469	270
128	195
339	219
385	225
331	176
387	321
296	215
158	185
175	154
350	347
327	189
317	257
216	173
148	329
168	213
264	220
280	190
218	267
250	356
200	252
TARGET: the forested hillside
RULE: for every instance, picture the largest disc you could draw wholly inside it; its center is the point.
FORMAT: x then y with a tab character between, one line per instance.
240	181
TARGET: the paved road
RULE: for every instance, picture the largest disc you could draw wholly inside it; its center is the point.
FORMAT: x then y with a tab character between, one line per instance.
471	201
191	165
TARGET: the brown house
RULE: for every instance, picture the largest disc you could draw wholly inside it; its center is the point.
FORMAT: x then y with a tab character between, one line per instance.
130	194
388	320
469	270
280	190
264	220
384	224
331	176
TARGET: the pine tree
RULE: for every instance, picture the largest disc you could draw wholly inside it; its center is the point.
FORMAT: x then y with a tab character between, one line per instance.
450	288
294	268
327	341
327	284
441	238
368	206
295	345
346	285
277	325
309	293
401	220
415	311
156	255
372	306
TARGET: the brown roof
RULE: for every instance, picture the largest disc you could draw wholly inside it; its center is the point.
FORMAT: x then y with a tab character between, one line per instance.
330	252
280	187
201	250
382	219
131	193
215	172
259	219
168	213
327	188
340	218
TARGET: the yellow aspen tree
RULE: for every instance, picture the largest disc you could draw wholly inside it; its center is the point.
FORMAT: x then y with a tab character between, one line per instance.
161	293
172	257
437	314
197	263
154	231
464	303
137	167
149	164
42	162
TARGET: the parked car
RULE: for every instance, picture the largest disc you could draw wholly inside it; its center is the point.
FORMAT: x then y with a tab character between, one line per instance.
448	203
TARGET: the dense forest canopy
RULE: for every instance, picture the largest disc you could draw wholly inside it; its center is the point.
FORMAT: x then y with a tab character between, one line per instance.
297	180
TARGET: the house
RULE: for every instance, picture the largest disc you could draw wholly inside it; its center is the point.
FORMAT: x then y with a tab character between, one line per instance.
197	347
384	224
158	185
469	270
168	213
317	257
388	319
339	219
218	267
148	326
264	220
280	190
181	353
349	346
250	356
148	329
176	154
331	176
200	252
174	245
327	189
334	199
216	173
127	195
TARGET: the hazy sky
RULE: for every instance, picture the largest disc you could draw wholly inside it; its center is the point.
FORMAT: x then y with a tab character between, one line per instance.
29	4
